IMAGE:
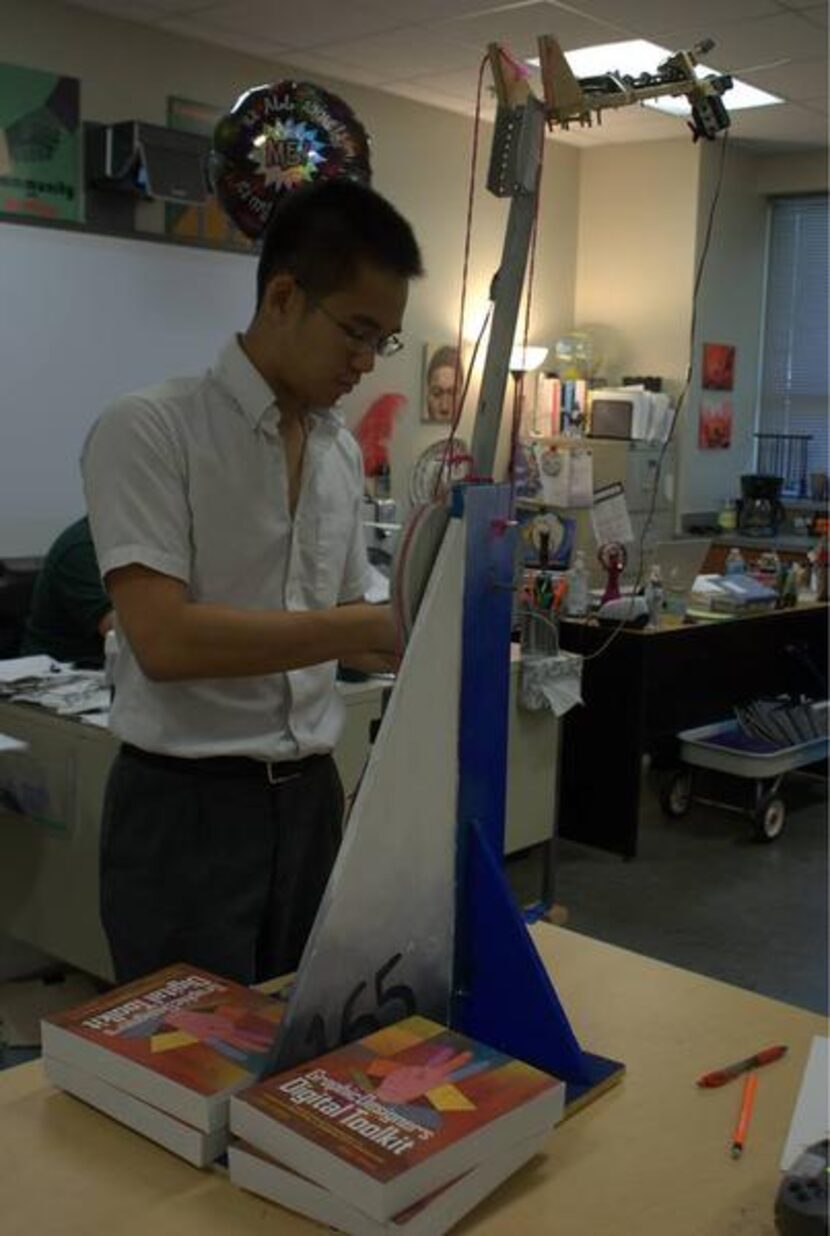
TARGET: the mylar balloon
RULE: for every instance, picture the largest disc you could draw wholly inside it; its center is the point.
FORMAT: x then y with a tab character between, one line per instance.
278	137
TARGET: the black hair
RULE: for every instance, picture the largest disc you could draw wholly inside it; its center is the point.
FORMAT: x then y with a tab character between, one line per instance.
321	233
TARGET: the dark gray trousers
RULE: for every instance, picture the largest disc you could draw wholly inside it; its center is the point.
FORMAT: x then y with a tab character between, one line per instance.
206	862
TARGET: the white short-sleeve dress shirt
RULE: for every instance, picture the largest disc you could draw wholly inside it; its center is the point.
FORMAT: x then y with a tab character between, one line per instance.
189	478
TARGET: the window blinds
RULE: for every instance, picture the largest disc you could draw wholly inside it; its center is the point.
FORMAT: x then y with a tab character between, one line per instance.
794	378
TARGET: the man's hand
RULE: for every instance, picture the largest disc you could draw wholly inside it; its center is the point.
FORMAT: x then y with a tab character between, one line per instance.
384	651
372	663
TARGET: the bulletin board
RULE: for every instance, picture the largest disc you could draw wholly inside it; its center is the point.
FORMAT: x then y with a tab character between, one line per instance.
83	319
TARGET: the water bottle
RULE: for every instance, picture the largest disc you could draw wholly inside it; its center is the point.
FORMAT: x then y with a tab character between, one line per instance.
576	600
654	596
735	563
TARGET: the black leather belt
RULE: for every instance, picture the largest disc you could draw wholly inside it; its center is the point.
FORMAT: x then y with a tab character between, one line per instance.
274	771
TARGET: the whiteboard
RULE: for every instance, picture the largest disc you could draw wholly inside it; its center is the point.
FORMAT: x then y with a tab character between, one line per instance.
85	318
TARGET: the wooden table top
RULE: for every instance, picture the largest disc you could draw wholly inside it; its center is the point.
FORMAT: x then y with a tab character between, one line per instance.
649	1158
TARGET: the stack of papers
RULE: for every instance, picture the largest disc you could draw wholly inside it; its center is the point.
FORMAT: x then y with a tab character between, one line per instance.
732	594
16	671
53	685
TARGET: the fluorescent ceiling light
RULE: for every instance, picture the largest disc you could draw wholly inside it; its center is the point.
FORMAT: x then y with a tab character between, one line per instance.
636	56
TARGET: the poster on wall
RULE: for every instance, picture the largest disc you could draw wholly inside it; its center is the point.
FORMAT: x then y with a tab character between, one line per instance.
715	423
440	363
718	367
207	223
40	150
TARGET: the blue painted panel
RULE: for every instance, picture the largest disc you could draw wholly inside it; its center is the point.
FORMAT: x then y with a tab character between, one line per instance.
502	994
485	664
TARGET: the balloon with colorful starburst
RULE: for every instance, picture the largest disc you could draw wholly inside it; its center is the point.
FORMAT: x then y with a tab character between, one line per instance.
278	137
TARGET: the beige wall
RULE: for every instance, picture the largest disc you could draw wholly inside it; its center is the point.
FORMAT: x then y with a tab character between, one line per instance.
420	156
642	221
730	308
638	209
792	173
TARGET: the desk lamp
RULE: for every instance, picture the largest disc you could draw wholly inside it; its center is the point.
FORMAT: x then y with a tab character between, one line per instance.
525	360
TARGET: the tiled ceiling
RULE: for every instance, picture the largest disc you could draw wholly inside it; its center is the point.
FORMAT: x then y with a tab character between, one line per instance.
429	50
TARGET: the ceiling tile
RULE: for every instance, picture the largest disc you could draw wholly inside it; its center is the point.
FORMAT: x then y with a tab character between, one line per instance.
743	45
651	17
238	40
307	24
520	28
172	8
147	11
433	10
313	61
405	53
144	14
796	80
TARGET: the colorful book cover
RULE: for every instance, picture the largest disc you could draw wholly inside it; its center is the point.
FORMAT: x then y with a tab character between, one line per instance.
182	1024
399	1097
434	1213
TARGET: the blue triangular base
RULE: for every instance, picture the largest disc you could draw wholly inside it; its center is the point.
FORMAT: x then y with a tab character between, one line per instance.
503	994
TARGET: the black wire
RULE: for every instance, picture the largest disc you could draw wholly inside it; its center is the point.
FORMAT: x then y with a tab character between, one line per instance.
681	399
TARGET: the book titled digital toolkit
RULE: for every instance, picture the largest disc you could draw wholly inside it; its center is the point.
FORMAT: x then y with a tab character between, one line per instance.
404	1130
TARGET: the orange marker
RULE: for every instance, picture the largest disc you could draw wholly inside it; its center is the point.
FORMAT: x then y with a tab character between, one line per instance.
721	1076
745	1114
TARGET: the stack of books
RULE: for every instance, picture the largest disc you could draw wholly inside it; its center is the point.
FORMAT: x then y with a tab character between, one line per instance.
731	594
164	1054
403	1131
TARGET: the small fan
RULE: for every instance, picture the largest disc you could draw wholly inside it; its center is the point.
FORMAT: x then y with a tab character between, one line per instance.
452	456
613	557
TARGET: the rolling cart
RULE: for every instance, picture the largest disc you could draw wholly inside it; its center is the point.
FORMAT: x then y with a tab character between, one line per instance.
727	748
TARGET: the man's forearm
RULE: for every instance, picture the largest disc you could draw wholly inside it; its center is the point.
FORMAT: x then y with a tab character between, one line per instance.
213	641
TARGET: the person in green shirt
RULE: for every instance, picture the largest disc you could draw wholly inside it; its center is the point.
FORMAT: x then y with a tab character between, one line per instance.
70	613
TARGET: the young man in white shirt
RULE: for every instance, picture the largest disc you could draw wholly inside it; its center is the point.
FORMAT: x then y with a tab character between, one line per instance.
225	511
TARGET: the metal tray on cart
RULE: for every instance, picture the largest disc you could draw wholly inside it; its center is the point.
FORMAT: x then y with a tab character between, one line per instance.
726	748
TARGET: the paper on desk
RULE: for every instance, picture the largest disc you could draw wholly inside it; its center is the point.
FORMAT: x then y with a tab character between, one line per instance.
7	743
100	719
69	694
810	1122
20	669
609	515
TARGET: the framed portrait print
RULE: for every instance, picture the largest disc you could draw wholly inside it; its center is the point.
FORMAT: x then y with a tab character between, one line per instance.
718	367
715	423
439	386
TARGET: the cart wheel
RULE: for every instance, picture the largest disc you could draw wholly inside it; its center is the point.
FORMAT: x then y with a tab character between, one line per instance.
676	794
770	817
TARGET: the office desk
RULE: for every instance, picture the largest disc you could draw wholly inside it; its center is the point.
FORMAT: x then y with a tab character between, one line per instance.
646	686
49	857
650	1158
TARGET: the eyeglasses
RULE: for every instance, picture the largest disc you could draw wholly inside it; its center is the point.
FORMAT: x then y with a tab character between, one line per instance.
388	345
